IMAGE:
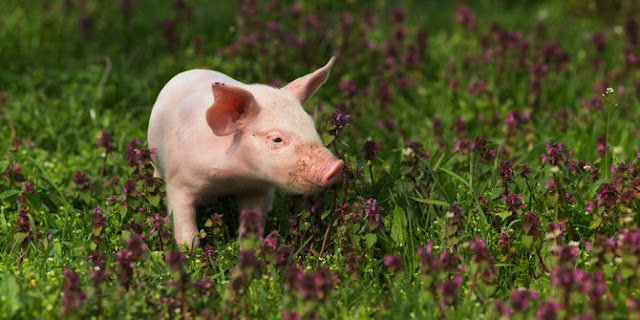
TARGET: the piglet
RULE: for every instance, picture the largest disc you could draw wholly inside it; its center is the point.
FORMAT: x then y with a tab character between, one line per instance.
216	136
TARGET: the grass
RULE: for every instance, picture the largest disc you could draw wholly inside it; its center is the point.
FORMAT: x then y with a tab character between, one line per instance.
456	215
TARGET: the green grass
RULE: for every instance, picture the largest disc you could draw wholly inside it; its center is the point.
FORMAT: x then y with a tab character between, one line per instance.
61	84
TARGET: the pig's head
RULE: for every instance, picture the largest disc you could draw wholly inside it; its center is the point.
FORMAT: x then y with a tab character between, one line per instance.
273	136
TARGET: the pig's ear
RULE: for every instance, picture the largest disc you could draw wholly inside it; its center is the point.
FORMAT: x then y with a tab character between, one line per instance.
232	107
304	87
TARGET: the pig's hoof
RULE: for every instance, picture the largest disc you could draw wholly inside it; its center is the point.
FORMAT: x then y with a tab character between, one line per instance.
188	243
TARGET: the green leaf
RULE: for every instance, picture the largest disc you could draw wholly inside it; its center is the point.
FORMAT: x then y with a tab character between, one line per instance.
398	225
371	239
504	214
456	176
8	194
9	293
430	201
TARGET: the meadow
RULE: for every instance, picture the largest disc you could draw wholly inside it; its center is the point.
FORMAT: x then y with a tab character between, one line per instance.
491	149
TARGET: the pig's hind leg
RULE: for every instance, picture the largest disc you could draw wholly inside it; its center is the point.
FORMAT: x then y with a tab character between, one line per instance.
181	204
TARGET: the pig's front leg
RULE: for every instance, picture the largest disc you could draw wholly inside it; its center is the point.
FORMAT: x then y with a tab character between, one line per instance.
258	201
181	204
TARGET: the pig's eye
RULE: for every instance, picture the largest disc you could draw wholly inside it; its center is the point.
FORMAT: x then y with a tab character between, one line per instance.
276	139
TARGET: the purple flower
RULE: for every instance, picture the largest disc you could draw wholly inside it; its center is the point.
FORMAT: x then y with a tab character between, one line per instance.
290	315
506	172
567	279
81	180
394	263
371	149
175	260
521	298
450	261
514	202
340	120
476	88
450	290
136	246
251	223
524	170
372	211
105	140
556	154
608	195
348	87
428	260
72	294
310	286
248	262
384	93
502	309
460	127
14	173
99	221
136	156
531	224
466	17
125	261
28	187
548	310
417	149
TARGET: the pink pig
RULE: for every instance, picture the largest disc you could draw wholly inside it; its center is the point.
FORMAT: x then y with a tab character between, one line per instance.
216	136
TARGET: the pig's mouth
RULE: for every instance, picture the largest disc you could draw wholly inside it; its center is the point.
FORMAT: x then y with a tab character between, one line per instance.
306	178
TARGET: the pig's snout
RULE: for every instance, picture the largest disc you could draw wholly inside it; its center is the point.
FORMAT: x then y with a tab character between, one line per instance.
332	172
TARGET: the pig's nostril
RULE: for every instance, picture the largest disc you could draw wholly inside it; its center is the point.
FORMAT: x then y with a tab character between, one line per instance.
333	172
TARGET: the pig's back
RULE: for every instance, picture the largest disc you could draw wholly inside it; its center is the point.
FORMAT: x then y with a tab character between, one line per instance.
177	119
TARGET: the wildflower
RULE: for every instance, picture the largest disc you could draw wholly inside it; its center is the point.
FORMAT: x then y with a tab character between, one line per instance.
394	263
352	262
506	172
125	262
105	140
340	120
531	225
521	298
290	315
476	87
450	261
524	170
548	310
417	149
348	87
137	246
450	290
466	17
384	93
502	309
556	154
371	149
28	187
460	127
428	261
514	201
372	212
99	220
310	286
248	262
175	260
505	242
251	223
607	195
14	173
72	294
